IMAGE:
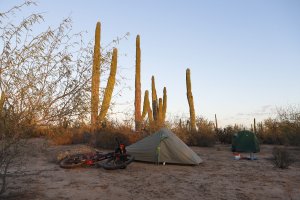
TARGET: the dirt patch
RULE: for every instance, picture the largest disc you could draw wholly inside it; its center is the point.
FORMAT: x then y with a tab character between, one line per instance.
218	177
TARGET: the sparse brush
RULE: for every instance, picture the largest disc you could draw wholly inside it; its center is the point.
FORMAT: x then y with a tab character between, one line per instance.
281	157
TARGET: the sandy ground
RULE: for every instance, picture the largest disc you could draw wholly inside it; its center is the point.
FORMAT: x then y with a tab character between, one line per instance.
219	177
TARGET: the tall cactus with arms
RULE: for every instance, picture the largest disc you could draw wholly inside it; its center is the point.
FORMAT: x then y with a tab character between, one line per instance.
96	118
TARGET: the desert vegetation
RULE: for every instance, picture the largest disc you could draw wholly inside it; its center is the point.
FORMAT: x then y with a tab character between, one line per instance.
50	88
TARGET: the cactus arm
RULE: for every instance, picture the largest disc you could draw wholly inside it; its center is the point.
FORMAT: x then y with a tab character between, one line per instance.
164	106
109	87
154	99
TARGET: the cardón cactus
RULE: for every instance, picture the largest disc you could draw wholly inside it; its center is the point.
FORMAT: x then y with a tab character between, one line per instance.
147	108
160	113
95	77
164	106
190	99
154	99
2	100
254	125
137	100
96	119
110	86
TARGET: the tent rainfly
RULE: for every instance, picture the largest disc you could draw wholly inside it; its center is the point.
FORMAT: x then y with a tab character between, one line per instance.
245	141
163	147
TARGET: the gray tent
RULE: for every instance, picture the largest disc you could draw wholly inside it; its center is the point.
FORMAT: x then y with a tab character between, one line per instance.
163	146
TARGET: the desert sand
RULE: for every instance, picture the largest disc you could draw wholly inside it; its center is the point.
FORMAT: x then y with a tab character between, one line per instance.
218	177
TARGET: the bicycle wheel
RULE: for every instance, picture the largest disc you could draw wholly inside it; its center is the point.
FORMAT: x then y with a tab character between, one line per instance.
113	163
73	161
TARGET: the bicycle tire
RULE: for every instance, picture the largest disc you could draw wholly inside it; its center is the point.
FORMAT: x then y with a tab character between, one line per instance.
111	164
73	161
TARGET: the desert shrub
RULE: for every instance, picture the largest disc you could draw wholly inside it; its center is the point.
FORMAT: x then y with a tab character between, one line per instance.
280	132
183	134
105	137
59	136
205	136
225	135
281	157
283	130
202	139
81	136
107	140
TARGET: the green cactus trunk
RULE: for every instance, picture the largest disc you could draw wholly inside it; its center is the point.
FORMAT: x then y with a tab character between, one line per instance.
95	77
147	108
109	87
137	101
160	122
154	99
164	106
190	100
254	125
2	101
216	121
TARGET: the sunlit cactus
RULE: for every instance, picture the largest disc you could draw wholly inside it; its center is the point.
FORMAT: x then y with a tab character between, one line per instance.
137	101
154	99
110	86
147	108
164	106
160	113
190	100
95	77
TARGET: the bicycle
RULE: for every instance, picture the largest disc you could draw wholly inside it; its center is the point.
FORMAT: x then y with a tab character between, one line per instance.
119	159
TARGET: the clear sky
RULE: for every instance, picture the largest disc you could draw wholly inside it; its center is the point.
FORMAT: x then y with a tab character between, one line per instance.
244	55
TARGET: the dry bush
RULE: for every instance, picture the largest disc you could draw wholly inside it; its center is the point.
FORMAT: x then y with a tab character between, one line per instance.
106	137
281	157
59	136
66	136
12	131
274	131
102	138
204	136
225	135
181	129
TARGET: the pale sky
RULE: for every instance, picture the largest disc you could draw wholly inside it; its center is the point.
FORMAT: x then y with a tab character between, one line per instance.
244	56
